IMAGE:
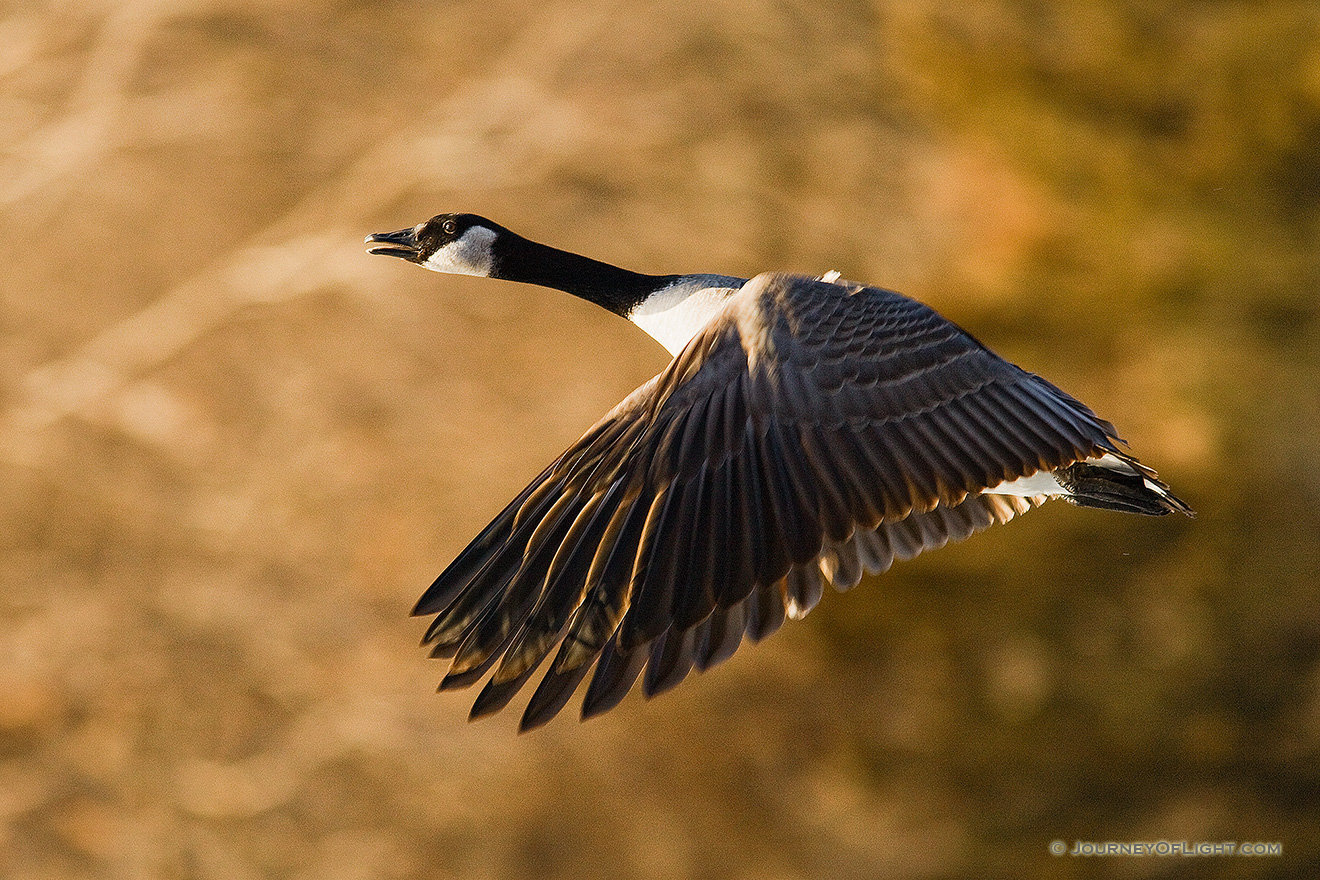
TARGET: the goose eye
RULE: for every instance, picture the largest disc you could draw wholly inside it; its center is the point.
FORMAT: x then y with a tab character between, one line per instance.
449	227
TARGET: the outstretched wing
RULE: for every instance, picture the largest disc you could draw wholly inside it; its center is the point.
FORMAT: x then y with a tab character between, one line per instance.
812	431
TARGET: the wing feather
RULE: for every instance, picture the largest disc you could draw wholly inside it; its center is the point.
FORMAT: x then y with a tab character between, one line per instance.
694	587
671	660
523	591
840	492
764	521
494	540
654	569
791	497
748	533
553	693
802	589
595	622
718	636
565	581
496	695
764	610
616	670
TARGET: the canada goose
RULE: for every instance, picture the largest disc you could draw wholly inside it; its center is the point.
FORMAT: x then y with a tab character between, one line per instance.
806	430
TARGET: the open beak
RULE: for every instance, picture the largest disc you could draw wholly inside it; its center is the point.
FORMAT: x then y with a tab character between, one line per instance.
395	244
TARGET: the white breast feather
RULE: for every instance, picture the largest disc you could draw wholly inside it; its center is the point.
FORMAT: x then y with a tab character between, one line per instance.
674	315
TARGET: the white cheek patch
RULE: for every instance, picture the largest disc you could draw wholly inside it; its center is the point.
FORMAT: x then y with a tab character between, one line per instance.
469	254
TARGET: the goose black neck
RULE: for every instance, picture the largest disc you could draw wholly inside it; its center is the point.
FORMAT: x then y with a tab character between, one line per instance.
619	290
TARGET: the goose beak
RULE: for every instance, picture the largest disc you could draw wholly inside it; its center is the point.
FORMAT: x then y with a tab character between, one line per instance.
395	244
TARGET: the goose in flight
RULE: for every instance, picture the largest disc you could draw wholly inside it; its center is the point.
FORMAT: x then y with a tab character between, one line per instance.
806	431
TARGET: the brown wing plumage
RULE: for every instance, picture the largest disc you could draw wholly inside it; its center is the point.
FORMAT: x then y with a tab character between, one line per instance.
811	432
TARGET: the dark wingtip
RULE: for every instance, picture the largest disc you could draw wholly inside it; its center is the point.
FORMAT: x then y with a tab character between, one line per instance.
496	695
462	679
439	596
552	695
615	674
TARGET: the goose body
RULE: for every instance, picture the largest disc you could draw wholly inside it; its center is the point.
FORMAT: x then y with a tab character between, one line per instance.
807	430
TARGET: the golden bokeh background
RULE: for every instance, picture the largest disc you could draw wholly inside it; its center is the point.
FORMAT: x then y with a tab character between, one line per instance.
234	447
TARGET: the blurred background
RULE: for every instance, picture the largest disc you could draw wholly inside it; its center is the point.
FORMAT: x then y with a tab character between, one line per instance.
234	448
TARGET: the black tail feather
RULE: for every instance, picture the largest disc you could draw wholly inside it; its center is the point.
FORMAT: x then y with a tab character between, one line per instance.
1107	488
